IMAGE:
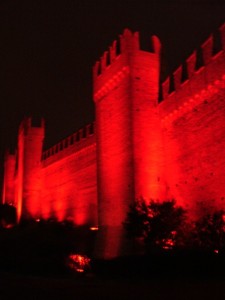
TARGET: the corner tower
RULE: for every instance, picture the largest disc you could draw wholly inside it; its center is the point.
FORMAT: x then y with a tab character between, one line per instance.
127	132
30	144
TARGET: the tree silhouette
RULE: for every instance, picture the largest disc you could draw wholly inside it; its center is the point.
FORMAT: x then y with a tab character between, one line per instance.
209	232
160	225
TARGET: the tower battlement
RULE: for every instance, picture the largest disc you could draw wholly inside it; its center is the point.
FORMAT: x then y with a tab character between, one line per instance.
31	126
115	63
127	42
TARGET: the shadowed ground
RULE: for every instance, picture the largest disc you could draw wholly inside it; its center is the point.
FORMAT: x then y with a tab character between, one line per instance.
15	286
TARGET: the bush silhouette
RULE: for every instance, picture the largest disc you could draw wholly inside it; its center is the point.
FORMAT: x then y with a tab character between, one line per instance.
209	232
7	215
158	224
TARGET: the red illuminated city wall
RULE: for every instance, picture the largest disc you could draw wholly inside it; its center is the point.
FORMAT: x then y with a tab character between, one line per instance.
69	183
59	183
140	147
193	126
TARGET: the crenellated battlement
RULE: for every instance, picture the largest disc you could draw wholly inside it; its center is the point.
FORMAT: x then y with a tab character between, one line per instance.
128	41
190	68
203	69
192	101
29	125
114	65
77	137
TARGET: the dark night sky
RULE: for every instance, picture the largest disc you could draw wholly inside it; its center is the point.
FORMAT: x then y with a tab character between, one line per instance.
47	49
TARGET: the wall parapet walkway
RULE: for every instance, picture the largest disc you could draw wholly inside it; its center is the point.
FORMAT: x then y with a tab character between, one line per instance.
76	141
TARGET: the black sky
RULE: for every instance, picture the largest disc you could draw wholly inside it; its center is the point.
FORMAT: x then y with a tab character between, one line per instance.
47	49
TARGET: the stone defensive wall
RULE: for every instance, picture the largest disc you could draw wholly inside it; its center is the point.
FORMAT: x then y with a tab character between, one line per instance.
202	74
69	183
172	148
193	127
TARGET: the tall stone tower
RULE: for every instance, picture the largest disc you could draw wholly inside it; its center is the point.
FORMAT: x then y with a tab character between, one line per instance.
30	143
126	86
